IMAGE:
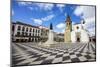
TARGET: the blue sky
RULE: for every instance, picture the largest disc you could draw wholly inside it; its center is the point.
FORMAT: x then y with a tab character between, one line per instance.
45	13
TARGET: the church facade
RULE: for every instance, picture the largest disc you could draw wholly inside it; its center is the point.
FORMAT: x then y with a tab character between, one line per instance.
75	33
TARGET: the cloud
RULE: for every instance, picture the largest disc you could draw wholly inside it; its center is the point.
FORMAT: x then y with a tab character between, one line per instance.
44	6
31	8
37	6
61	7
63	30
88	14
73	23
38	21
12	12
41	20
47	17
65	14
79	10
60	28
92	30
85	11
24	3
90	25
60	25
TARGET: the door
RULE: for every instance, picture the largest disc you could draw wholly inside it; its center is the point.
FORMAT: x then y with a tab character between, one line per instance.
78	37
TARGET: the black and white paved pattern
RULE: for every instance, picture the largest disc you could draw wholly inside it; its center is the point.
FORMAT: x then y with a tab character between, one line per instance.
33	54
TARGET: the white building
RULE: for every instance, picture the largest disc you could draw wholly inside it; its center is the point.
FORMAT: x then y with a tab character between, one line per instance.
79	34
76	32
22	32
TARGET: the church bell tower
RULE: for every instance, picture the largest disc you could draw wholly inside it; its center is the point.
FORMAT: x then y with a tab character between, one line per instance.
68	29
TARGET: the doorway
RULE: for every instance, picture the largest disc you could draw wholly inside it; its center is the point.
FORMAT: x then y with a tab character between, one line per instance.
78	37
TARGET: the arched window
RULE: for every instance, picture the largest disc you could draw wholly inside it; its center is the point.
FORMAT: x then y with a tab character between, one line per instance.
33	30
30	34
19	27
69	23
18	33
26	34
23	28
22	33
36	30
13	27
30	29
26	29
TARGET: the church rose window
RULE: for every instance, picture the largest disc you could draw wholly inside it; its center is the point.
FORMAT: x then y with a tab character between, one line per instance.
77	27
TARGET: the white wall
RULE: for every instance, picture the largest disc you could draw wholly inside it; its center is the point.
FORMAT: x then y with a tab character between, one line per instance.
84	36
73	37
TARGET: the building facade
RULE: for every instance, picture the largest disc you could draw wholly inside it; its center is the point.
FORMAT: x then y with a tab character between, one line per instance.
25	33
22	32
76	32
44	33
58	37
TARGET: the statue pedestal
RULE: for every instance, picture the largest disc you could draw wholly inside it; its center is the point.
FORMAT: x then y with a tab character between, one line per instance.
50	40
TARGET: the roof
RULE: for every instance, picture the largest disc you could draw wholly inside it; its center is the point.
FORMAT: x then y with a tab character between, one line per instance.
21	23
68	18
61	34
76	23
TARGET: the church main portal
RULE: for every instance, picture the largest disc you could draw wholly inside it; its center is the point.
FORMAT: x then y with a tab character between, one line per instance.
78	37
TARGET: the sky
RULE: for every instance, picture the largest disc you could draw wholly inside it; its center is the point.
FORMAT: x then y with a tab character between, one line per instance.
37	14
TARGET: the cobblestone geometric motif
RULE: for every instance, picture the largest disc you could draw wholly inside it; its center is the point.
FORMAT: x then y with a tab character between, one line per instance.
24	54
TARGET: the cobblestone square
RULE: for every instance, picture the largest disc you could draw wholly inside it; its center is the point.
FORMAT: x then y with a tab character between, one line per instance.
24	54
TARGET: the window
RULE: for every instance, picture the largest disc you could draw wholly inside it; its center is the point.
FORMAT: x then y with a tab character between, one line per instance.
22	33
77	27
26	34
38	31
30	34
13	27
33	30
26	29
30	29
18	33
33	34
46	33
23	28
41	33
19	27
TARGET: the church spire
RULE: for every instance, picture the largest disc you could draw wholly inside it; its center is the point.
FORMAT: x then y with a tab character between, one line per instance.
51	26
68	19
68	23
68	29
